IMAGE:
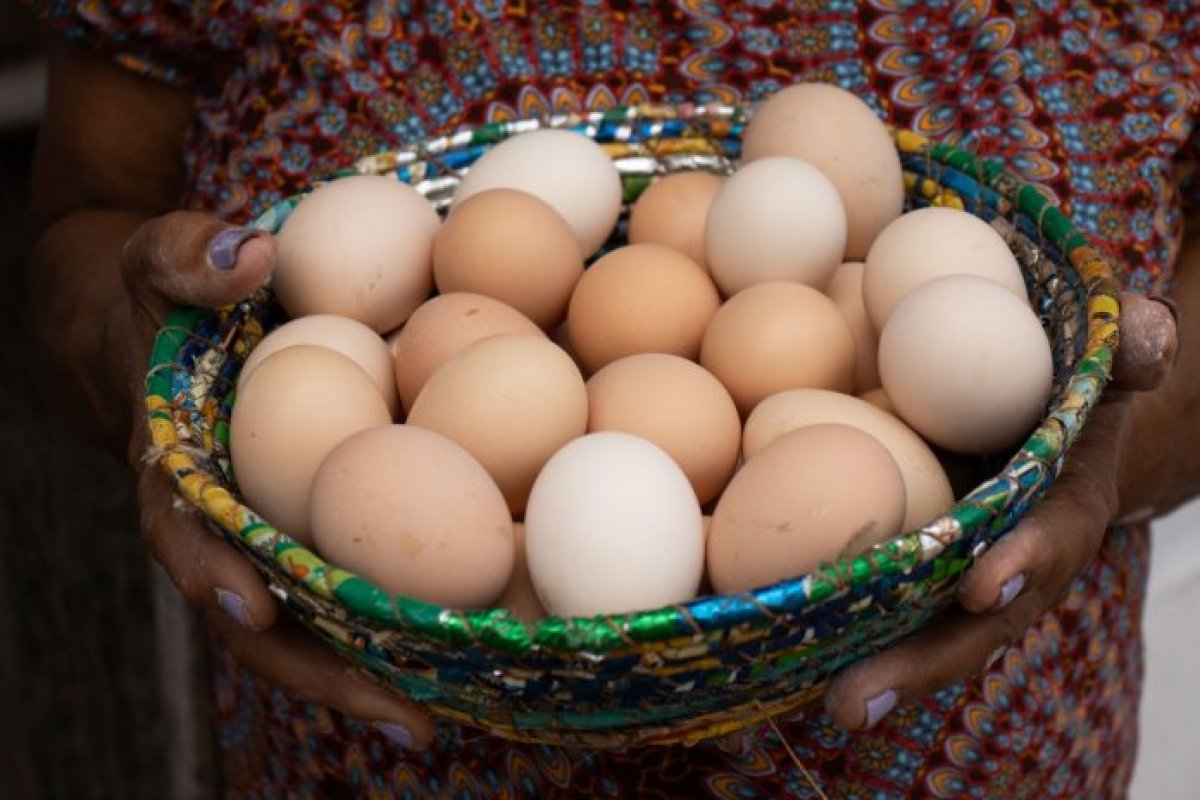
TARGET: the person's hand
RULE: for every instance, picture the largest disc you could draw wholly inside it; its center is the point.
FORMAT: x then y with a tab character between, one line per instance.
195	259
1030	570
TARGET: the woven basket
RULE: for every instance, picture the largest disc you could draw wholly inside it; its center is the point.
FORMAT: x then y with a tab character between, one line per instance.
683	673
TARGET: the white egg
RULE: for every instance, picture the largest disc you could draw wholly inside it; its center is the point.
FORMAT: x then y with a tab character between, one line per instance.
566	170
613	526
777	219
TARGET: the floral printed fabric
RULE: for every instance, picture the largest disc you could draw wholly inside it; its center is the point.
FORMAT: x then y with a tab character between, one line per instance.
1097	103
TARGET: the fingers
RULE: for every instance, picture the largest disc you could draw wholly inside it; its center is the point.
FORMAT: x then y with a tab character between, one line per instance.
1149	343
195	259
958	645
207	570
295	661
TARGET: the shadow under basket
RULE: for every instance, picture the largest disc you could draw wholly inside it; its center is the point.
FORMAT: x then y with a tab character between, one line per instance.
687	672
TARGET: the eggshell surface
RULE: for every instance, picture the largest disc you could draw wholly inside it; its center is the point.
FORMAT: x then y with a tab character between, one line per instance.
675	404
927	490
979	390
567	170
443	326
673	212
931	243
511	401
413	513
778	219
613	527
359	247
809	497
845	290
840	135
511	246
296	407
351	338
644	298
776	336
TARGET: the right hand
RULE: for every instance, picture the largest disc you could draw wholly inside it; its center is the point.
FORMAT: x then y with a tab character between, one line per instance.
195	259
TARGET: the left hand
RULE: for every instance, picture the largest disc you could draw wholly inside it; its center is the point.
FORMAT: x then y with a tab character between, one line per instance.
1031	569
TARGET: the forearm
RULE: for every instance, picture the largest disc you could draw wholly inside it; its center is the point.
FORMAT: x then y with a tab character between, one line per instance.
81	323
1163	449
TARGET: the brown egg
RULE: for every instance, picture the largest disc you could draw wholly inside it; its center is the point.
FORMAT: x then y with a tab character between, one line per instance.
840	135
509	245
511	400
846	292
413	513
349	337
678	406
644	298
808	498
927	490
776	336
359	247
673	211
520	596
443	326
296	407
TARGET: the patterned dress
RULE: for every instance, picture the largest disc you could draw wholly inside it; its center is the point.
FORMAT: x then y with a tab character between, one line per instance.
1095	102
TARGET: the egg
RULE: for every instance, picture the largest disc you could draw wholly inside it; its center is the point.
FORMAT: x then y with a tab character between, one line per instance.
413	513
927	490
443	326
677	405
845	290
810	497
644	298
613	527
349	337
519	596
673	212
776	336
359	247
511	400
966	363
777	219
567	170
297	406
840	135
511	246
929	243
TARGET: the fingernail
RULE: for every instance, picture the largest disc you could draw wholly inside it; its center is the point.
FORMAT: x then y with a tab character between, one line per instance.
1168	302
995	656
398	734
1009	591
235	606
880	706
223	249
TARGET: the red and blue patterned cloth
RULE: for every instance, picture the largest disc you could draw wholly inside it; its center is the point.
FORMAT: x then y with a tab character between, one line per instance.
1096	102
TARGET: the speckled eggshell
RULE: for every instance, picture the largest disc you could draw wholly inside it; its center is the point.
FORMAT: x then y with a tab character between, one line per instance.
810	497
413	513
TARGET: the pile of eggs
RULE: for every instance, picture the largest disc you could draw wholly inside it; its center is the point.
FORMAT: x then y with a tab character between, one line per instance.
759	383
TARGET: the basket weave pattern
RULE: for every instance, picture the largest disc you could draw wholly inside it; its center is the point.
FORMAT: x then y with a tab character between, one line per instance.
681	673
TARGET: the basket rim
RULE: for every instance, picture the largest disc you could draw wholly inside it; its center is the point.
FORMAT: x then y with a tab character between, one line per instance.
499	628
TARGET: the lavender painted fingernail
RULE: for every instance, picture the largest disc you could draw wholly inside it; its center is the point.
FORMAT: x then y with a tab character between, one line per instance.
398	734
1009	591
223	249
880	706
235	606
995	656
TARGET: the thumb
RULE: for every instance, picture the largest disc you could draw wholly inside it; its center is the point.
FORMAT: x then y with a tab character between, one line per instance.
195	259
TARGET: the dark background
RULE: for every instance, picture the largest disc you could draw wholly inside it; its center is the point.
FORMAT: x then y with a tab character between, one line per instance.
80	710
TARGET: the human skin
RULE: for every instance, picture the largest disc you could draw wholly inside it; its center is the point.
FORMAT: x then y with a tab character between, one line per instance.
113	255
